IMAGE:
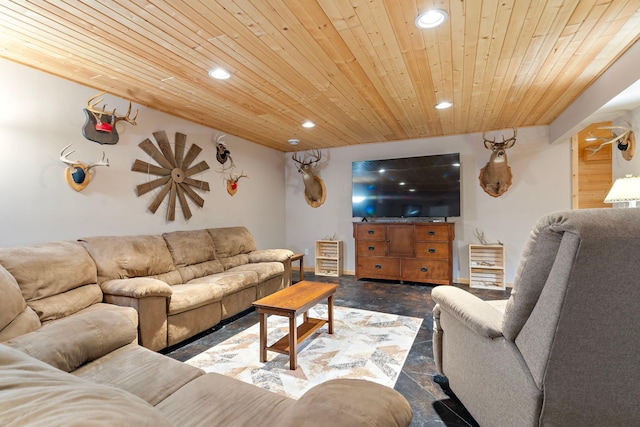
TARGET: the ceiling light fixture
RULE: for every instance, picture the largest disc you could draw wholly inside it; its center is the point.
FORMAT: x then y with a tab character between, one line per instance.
443	105
308	124
294	141
431	18
220	74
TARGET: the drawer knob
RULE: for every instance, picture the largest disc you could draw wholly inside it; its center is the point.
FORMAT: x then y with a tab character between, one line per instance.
431	233
424	269
378	266
432	251
370	232
372	248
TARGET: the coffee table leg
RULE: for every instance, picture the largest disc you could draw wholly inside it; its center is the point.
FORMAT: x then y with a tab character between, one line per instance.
263	337
330	313
293	343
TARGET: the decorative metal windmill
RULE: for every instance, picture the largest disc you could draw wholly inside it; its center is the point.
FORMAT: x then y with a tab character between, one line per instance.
174	172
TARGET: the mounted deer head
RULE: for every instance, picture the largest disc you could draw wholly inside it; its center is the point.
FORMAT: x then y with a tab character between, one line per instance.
222	153
626	141
232	183
100	125
314	189
495	176
77	172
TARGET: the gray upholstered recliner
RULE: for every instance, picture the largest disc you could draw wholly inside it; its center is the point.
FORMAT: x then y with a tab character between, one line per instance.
566	350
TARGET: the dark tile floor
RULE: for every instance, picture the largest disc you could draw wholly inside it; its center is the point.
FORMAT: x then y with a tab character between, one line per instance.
432	404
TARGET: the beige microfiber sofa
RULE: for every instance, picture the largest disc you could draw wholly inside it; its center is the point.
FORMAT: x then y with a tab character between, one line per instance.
184	282
68	358
565	350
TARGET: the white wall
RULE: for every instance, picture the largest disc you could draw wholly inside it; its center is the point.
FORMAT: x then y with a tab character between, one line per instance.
541	184
40	114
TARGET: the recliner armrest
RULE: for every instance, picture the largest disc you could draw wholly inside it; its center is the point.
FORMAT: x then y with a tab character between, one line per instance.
270	255
137	287
473	312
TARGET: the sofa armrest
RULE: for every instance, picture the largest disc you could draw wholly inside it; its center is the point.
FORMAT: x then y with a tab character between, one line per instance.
349	402
270	255
137	287
150	299
470	310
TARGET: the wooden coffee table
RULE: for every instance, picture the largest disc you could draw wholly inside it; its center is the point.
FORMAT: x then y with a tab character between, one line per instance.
291	302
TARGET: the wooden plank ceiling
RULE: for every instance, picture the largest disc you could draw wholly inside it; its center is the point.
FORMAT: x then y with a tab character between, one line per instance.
360	69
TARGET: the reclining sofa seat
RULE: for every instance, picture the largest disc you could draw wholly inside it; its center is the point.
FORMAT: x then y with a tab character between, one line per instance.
184	282
564	352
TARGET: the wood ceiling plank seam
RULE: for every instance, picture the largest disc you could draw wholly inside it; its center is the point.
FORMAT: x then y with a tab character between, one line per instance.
471	12
384	40
305	45
456	25
412	47
319	105
563	72
375	71
609	54
341	55
511	60
357	40
487	21
445	55
558	62
550	22
502	47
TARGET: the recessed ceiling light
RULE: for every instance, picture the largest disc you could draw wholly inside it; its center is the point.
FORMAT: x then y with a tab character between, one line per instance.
431	18
220	74
443	105
294	141
308	124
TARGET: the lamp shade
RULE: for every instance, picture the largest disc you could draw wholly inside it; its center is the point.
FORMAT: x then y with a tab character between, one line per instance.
625	189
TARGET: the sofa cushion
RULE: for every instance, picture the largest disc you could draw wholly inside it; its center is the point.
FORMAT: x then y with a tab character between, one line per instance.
47	270
82	337
16	317
229	282
234	261
149	375
264	270
124	257
230	241
193	253
193	295
33	393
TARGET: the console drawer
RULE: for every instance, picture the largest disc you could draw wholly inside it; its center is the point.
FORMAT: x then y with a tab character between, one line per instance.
378	267
371	248
432	250
432	233
371	232
426	270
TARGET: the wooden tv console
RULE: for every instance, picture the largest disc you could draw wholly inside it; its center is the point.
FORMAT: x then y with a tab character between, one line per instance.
405	251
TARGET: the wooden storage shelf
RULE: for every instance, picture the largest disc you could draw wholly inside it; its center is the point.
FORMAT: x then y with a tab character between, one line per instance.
328	258
486	267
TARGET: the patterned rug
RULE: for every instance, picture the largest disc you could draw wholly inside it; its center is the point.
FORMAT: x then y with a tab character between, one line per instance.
365	345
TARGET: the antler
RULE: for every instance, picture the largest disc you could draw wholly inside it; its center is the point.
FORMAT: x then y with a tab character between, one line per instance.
103	162
504	141
316	156
97	113
623	138
235	178
70	163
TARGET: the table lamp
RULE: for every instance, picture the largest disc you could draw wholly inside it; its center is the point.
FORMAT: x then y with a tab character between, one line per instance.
625	189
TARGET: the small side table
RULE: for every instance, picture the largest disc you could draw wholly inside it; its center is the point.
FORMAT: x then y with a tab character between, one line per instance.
297	257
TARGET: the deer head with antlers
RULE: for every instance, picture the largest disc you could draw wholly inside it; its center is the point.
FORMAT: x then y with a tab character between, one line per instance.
314	189
100	125
495	177
77	172
232	182
626	141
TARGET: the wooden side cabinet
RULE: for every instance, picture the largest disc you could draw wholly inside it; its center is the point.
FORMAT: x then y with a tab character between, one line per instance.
486	266
329	258
414	252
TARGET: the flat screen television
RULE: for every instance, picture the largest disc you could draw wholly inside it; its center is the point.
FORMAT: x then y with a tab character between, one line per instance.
409	187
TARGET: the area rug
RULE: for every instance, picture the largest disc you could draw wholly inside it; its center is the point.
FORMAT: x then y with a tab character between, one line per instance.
365	345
